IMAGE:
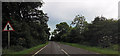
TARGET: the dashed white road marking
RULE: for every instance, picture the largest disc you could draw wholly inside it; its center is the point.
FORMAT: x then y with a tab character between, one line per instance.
65	52
39	51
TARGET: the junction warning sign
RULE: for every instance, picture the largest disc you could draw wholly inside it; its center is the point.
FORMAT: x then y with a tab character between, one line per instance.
8	27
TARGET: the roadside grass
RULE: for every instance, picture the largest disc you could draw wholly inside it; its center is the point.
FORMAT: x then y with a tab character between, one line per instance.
26	51
94	49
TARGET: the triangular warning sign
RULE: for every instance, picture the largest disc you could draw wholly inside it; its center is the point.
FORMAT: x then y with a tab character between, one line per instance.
8	27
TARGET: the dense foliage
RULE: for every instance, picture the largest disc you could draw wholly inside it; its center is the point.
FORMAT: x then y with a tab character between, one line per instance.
101	32
29	22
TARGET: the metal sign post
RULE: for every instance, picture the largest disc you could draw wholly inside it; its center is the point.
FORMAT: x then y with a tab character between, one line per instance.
8	39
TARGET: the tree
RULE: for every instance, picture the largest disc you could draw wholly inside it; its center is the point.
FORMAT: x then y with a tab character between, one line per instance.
102	32
29	22
60	31
79	22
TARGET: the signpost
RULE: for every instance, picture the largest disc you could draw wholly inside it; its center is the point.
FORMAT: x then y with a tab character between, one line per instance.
8	28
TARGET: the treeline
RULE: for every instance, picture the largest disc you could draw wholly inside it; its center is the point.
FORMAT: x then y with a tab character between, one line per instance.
101	32
29	23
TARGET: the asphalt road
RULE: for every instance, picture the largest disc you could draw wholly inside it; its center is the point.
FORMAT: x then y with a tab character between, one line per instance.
57	49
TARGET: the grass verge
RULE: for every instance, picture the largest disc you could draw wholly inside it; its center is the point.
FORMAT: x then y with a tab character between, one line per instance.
26	51
94	49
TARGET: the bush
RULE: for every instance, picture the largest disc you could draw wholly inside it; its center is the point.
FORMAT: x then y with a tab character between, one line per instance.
114	47
7	51
17	48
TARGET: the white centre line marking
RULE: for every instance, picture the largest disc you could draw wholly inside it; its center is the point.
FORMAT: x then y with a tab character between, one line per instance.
65	52
39	51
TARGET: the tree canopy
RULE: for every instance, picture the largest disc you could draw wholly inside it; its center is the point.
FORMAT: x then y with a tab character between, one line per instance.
29	22
101	32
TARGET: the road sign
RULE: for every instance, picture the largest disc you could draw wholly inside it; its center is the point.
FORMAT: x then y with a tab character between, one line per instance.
8	27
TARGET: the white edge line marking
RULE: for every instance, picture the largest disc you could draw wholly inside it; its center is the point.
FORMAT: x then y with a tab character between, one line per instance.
39	51
65	52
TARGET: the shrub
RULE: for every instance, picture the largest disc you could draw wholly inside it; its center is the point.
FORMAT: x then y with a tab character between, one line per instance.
114	47
17	48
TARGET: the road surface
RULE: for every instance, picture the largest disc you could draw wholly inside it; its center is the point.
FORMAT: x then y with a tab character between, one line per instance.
57	49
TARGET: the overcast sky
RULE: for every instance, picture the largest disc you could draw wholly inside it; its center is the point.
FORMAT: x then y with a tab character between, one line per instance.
66	10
